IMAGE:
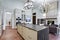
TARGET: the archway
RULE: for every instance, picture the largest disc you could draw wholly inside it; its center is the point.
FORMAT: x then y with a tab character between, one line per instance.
7	19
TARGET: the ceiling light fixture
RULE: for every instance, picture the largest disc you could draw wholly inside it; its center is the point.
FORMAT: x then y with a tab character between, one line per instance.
28	5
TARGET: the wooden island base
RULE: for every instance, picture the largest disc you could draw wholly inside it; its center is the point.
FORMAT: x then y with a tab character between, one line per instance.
33	32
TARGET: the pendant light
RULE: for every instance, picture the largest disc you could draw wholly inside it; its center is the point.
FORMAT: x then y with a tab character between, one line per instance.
28	4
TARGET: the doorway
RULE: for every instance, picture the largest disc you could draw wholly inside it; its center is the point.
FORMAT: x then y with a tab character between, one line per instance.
8	19
34	18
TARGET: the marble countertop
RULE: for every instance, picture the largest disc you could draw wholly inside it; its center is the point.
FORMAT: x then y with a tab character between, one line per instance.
33	27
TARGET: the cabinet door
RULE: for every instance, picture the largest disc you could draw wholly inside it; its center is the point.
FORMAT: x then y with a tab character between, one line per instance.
32	35
29	34
21	30
18	28
24	33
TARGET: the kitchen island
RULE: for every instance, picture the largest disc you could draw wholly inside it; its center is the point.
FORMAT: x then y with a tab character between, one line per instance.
33	32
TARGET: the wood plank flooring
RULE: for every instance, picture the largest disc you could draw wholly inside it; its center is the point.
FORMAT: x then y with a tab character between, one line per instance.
53	37
11	34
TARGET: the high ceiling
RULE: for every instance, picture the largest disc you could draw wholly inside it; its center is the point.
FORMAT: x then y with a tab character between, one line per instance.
11	3
19	4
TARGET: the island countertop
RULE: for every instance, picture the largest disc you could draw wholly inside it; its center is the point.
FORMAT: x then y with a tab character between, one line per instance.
33	27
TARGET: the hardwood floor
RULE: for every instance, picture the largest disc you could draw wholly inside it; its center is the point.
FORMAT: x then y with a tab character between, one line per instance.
11	34
54	37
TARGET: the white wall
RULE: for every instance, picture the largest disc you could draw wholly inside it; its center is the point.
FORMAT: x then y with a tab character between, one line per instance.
58	17
0	17
13	25
38	14
18	13
4	21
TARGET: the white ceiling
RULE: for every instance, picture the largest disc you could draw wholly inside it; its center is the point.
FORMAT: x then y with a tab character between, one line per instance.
12	4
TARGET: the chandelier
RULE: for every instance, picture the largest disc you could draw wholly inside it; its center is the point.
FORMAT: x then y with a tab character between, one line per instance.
28	5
